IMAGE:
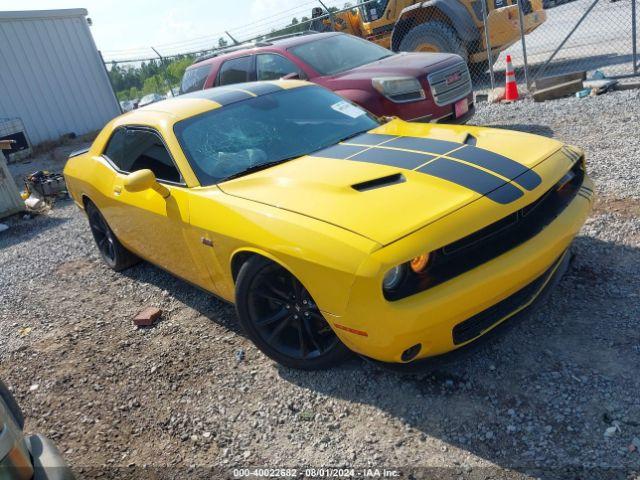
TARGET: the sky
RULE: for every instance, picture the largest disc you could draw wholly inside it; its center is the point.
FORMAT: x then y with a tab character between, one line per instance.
127	28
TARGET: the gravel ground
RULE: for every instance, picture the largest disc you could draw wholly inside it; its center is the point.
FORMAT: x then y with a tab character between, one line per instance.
192	393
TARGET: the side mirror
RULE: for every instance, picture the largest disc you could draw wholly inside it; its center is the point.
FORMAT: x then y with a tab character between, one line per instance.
144	180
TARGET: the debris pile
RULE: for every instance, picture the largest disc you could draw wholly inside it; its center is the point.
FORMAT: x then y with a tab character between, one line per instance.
42	188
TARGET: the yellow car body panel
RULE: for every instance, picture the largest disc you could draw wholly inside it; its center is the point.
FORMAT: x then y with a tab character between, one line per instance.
339	242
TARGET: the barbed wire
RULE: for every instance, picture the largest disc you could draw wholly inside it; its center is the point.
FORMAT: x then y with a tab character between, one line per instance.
209	43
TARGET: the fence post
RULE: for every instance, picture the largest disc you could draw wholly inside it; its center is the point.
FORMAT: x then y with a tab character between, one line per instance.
164	71
634	37
331	16
488	42
524	44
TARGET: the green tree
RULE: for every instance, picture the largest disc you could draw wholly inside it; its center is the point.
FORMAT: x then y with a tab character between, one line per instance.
222	42
175	70
153	84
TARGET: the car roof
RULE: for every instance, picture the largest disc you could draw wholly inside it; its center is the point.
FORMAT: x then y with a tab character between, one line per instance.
184	106
278	43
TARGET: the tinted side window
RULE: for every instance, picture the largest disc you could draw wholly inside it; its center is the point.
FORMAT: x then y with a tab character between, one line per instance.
131	150
236	70
273	67
194	79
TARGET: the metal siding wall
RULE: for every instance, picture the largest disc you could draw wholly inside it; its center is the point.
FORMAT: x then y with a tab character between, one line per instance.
51	76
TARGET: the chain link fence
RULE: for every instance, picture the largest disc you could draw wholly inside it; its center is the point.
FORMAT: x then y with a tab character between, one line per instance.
543	38
578	35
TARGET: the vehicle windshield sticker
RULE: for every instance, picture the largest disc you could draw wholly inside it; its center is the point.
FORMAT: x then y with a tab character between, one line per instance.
348	109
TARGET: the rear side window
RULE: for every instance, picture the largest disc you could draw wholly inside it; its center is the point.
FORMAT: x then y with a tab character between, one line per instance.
236	70
131	150
194	79
274	67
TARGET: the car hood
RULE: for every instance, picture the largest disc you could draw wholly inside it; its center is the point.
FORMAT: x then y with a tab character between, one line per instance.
390	190
411	64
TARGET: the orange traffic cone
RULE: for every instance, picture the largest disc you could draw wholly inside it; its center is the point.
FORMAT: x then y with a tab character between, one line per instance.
511	90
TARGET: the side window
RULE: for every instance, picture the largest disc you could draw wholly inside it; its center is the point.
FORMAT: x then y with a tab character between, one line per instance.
273	67
194	79
134	149
115	150
236	70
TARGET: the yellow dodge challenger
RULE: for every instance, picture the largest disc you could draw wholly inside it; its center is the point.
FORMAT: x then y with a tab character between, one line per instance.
329	229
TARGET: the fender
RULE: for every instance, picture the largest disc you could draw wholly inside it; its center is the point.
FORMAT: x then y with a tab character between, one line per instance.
457	14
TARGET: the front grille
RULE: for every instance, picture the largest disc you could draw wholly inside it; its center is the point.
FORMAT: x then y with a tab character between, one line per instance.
450	84
475	326
493	240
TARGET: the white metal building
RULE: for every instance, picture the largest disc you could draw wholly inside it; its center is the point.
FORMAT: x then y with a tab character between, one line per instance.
51	74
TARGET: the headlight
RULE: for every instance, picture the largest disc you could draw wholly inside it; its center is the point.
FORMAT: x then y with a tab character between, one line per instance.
407	271
419	263
394	277
399	89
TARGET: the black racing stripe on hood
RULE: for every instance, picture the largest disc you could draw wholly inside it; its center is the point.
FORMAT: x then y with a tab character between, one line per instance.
371	139
393	158
499	164
481	157
429	145
454	171
473	179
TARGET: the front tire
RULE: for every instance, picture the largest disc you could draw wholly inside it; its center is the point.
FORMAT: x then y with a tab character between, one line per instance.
280	317
433	37
112	251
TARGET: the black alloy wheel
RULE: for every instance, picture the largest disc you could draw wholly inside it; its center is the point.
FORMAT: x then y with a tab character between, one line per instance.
282	318
112	251
103	236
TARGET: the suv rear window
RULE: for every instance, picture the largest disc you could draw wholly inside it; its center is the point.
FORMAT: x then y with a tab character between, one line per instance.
194	79
236	70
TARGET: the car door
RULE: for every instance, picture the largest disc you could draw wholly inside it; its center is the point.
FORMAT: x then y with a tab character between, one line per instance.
150	224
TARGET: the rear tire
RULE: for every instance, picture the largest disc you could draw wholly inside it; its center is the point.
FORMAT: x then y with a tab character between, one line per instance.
112	251
283	321
433	37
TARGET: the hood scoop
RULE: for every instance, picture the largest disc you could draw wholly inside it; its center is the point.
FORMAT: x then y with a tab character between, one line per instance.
379	182
470	140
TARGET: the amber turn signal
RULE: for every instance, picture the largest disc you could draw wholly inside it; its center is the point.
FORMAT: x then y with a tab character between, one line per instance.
418	264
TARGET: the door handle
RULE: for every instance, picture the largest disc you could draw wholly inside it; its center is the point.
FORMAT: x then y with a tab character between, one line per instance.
117	190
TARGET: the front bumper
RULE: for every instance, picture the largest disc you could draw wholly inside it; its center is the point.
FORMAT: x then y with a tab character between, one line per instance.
430	317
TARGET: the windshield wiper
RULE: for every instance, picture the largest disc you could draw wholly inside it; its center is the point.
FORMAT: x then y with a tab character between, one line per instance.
257	168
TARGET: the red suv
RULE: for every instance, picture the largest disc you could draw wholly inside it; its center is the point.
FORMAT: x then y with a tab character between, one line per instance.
430	87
